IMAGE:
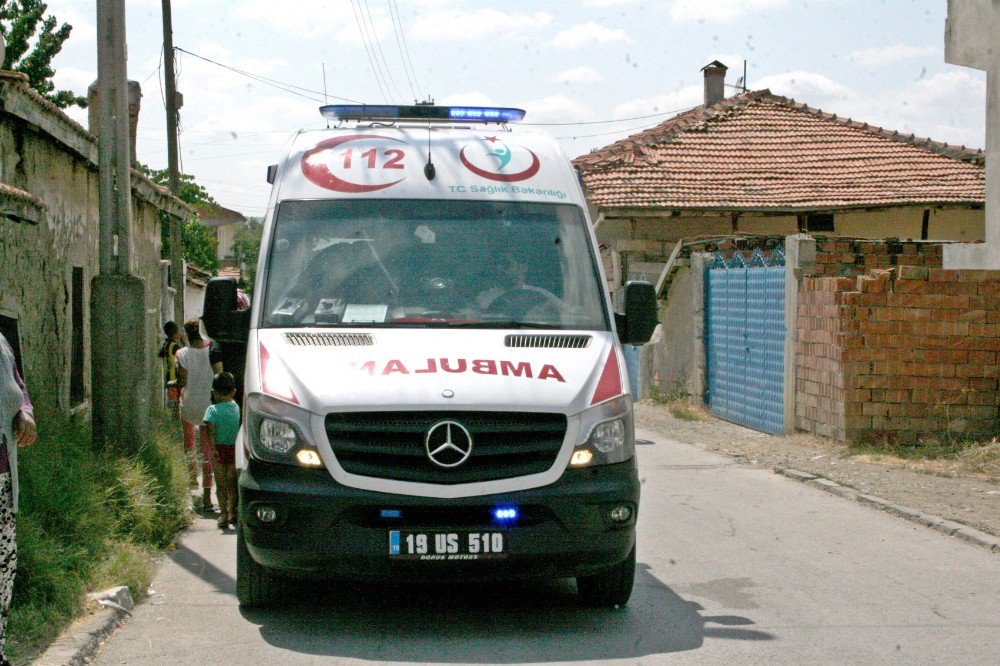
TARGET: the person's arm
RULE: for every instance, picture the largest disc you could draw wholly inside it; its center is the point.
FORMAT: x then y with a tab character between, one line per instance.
25	431
208	423
215	357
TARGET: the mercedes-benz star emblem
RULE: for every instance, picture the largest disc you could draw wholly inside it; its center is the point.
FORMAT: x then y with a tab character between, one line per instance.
448	444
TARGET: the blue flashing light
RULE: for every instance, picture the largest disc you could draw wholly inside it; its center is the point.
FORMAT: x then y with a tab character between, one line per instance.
390	513
505	514
425	112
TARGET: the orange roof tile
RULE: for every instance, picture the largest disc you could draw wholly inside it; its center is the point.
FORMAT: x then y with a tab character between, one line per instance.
759	151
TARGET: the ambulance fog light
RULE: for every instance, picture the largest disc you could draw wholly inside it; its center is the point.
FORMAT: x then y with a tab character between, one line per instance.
621	513
308	458
608	436
266	514
581	457
277	436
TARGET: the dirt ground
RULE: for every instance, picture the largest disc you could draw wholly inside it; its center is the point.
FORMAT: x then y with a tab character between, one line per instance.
943	487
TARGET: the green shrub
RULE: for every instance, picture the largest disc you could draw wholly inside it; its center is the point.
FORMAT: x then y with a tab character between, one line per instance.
87	521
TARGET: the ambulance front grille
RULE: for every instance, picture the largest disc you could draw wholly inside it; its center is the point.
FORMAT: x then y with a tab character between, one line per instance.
548	341
330	339
391	445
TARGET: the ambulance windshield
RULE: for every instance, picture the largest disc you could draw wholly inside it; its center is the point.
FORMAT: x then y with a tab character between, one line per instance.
391	262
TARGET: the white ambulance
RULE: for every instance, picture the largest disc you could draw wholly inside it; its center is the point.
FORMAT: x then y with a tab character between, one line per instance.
434	382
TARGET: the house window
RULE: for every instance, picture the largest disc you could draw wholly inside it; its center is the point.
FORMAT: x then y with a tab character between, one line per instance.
76	390
8	326
819	222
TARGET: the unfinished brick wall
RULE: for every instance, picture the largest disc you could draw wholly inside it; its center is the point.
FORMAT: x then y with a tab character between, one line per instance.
899	354
851	257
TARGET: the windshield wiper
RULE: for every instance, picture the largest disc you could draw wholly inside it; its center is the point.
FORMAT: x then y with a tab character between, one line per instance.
503	323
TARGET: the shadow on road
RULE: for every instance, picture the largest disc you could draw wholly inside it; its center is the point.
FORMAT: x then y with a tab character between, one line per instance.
490	623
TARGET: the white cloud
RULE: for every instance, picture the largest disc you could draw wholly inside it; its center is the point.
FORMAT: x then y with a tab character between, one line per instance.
307	19
809	87
609	3
469	25
473	98
588	33
719	10
946	107
888	55
668	103
579	75
556	109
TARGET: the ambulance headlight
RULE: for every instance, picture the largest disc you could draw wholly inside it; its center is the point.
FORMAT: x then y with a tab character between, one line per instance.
277	437
607	434
279	432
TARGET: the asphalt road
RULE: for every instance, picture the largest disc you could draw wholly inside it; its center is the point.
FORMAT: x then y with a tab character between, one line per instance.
736	565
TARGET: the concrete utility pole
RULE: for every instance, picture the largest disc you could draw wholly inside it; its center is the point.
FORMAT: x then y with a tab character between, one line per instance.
177	277
970	34
119	363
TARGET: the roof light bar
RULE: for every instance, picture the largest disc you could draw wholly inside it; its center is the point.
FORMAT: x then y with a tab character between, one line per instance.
461	114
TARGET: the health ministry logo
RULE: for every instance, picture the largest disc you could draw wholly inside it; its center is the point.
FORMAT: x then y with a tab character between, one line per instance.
495	160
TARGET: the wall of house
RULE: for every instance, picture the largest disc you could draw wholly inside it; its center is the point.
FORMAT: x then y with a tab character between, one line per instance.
51	158
905	353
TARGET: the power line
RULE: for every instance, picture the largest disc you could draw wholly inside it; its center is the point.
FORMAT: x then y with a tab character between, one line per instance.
616	120
588	136
378	44
371	57
397	29
287	87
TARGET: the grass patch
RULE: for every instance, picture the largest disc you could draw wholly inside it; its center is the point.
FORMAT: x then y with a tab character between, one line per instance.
678	404
685	411
87	521
964	455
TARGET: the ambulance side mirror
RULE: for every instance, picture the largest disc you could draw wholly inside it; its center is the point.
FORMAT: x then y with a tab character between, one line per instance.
637	323
223	319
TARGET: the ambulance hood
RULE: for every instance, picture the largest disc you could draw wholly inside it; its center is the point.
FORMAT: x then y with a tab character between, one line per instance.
435	369
392	162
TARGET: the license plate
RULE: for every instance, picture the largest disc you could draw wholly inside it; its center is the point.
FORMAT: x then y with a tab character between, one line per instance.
447	545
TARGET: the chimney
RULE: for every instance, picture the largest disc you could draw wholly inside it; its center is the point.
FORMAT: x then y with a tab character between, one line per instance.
715	82
134	97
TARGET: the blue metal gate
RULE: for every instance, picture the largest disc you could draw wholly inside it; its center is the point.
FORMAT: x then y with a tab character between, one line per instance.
745	339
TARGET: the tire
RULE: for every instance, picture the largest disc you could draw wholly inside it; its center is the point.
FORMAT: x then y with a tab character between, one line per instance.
611	587
256	587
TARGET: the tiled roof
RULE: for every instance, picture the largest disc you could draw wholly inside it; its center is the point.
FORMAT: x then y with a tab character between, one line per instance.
759	151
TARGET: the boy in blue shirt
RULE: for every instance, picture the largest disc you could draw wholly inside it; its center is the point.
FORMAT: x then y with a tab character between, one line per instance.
222	422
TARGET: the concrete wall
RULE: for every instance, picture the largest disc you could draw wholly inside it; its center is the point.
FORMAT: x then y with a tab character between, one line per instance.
48	164
959	223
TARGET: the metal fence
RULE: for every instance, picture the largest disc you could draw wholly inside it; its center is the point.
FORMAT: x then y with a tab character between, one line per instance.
745	339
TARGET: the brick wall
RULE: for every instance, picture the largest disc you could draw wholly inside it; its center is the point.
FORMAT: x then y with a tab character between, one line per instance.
851	257
899	354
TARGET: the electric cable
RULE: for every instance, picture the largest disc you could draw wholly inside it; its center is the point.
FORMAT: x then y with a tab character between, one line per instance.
378	45
287	87
368	51
396	29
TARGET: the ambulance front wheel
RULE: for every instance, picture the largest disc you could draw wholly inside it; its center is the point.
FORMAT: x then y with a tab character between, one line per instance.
610	588
256	587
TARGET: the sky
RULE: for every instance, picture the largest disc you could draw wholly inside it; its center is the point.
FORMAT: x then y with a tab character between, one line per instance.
589	72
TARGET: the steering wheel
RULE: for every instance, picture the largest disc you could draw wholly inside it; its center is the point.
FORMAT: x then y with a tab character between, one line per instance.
517	303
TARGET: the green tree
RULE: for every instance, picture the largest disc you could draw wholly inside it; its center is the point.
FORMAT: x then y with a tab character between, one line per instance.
198	242
246	247
20	22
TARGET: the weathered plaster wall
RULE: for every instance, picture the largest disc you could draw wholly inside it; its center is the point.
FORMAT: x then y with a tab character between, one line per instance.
52	160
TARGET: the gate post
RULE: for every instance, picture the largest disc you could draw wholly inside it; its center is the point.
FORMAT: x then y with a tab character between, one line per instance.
800	261
697	373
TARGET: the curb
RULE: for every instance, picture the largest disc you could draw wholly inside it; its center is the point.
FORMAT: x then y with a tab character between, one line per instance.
948	527
83	639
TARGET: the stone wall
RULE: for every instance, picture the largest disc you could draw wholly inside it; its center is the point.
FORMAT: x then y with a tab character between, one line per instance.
48	227
900	354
